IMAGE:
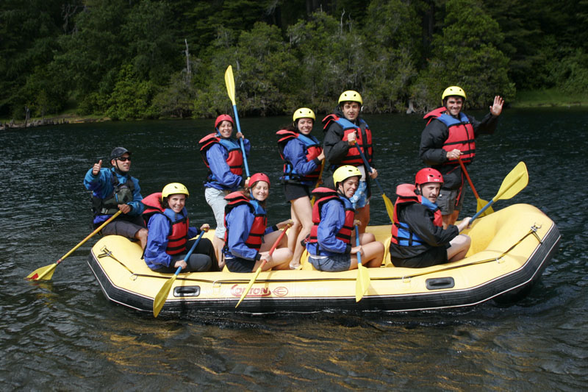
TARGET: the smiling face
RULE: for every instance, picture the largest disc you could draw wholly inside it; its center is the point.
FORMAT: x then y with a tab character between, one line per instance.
430	190
454	105
122	163
305	125
176	202
349	186
225	129
260	190
350	110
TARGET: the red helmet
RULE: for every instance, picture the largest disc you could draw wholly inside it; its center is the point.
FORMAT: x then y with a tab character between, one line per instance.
428	175
258	177
223	117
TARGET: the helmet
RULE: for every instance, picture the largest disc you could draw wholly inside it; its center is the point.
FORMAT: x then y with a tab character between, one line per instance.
453	91
118	152
426	175
303	113
174	188
221	118
345	172
258	177
350	96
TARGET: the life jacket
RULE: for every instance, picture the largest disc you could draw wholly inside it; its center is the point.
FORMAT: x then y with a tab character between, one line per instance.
234	160
312	149
363	139
401	233
325	195
122	193
461	134
179	223
257	230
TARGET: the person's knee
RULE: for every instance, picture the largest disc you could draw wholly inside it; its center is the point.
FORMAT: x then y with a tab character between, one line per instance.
142	234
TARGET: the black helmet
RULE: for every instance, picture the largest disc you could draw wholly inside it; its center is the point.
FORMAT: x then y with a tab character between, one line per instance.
119	152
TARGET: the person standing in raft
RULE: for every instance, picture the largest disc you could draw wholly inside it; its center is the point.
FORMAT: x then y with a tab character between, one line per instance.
169	232
345	131
114	189
247	237
418	237
450	134
302	155
330	242
223	157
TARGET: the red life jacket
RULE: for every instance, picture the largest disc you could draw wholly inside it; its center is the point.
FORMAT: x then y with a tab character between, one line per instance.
401	233
312	150
324	195
235	158
461	134
257	230
178	234
365	143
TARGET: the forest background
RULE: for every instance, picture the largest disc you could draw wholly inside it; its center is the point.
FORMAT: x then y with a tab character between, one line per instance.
136	59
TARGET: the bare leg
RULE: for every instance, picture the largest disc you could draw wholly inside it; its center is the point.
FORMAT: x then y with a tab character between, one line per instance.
450	219
373	254
141	235
302	210
219	244
459	247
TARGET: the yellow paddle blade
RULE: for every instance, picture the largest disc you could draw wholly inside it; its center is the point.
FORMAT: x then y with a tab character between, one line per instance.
515	181
481	204
43	273
389	207
362	282
230	83
161	297
249	285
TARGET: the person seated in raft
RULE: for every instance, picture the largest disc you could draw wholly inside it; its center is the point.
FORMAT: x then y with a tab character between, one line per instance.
418	238
223	157
169	232
247	239
115	189
302	154
330	242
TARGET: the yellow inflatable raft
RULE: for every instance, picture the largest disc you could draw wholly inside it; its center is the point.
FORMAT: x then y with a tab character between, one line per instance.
510	249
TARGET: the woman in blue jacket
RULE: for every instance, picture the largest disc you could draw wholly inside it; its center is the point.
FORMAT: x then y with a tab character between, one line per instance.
303	156
169	235
247	237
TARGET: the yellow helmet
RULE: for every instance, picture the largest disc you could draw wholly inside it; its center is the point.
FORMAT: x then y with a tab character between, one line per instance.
453	91
303	113
350	96
344	172
174	188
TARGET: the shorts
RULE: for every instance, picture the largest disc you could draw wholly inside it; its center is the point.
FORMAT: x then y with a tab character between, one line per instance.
127	226
216	200
296	191
237	264
448	200
334	263
432	256
360	198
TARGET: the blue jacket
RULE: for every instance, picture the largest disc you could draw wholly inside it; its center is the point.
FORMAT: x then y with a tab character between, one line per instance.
332	220
217	157
295	153
159	229
101	187
239	222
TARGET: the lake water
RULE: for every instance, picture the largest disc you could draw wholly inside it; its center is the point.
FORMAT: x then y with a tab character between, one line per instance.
64	334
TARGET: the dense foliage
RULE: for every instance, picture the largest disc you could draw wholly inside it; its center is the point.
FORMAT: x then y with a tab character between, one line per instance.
131	59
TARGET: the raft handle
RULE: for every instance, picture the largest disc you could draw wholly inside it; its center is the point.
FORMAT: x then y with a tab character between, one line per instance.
187	291
440	283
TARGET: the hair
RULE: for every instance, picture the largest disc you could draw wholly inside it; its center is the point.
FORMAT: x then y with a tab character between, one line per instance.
164	203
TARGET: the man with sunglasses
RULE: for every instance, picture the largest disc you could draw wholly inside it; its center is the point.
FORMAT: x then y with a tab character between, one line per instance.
114	189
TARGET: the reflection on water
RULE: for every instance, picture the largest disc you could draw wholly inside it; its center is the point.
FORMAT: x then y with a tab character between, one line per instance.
65	335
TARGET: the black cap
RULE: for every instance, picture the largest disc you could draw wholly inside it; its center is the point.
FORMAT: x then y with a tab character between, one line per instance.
119	152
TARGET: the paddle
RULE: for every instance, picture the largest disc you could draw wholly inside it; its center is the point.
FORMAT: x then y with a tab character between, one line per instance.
46	273
481	203
274	246
363	277
161	297
230	83
387	201
318	182
513	183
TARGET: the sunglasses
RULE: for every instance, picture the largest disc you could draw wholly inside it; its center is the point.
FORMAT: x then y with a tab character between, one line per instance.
124	159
